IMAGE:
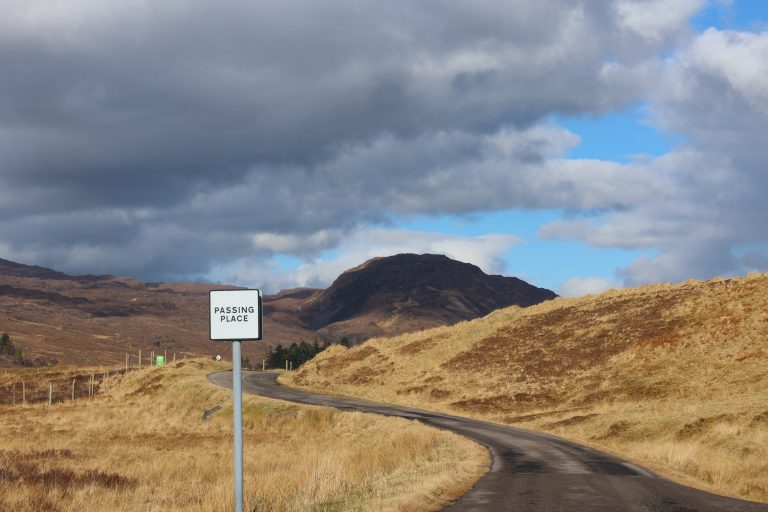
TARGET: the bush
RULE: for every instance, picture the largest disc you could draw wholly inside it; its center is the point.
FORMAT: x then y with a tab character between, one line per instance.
296	353
9	349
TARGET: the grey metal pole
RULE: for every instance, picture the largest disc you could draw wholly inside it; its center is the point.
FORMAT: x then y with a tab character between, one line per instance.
237	388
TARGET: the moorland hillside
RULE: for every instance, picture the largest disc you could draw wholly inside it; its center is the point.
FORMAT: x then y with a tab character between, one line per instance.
672	376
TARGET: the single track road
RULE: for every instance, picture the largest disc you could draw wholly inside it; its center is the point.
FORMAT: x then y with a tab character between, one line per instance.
530	471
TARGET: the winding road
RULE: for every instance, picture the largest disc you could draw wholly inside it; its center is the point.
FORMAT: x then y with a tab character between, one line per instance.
530	471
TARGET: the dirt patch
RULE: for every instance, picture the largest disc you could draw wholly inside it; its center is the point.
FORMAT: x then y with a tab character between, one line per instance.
615	430
150	390
341	361
502	403
363	376
593	398
573	420
411	390
661	340
417	346
440	394
760	419
757	354
701	426
530	417
18	467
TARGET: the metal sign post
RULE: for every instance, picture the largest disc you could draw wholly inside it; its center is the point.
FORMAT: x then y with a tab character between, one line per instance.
237	390
235	315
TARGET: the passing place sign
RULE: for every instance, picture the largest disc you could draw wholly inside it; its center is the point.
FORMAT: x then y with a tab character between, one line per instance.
235	315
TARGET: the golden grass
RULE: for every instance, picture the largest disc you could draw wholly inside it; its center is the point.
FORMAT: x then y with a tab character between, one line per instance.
145	445
26	385
672	377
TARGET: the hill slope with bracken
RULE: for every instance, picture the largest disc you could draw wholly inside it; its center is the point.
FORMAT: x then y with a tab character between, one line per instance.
674	377
411	292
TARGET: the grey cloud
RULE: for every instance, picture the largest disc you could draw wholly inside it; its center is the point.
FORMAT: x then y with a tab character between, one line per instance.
358	246
709	200
197	120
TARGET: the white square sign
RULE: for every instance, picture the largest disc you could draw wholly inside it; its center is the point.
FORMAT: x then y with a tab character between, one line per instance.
235	315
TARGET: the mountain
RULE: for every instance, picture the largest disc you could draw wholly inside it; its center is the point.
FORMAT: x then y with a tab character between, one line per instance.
674	377
55	317
98	319
12	269
410	292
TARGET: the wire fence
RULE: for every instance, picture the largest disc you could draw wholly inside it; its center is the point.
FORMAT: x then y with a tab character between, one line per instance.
55	387
72	384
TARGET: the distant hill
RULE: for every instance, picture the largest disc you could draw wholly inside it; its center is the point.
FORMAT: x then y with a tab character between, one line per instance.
13	269
89	319
410	292
98	319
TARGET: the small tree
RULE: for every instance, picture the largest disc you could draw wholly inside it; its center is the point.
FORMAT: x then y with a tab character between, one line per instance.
277	357
5	343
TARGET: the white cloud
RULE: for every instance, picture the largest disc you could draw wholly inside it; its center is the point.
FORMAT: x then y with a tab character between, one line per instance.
656	20
485	251
297	244
738	58
283	125
578	286
705	198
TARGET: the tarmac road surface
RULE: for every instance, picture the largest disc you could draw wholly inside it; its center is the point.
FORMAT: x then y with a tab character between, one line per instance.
530	471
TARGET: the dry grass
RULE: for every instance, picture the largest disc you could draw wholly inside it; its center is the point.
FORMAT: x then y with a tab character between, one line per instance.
673	377
160	439
31	385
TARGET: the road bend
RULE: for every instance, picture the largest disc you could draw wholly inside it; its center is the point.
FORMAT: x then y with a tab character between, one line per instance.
529	471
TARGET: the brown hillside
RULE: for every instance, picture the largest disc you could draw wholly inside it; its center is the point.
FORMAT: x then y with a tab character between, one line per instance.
675	377
411	292
97	320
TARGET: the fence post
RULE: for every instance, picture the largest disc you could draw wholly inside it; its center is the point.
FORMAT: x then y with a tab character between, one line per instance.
263	365
286	365
50	393
174	357
73	389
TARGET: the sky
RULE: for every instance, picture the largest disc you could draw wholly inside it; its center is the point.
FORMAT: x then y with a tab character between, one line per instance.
579	145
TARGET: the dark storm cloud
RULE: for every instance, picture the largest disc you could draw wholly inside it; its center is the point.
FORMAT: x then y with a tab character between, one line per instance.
161	130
